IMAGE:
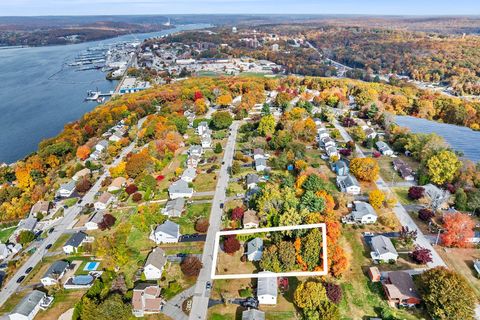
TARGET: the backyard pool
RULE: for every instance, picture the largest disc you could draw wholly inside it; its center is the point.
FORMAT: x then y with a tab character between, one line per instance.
91	266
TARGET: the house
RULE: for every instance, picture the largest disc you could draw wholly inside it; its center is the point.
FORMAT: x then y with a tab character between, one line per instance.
253	314
168	232
348	184
195	150
103	201
254	249
42	207
384	148
117	184
189	174
250	219
261	164
341	168
252	180
383	249
117	135
322	133
202	128
101	146
267	288
180	189
332	151
326	142
369	132
400	289
146	299
363	213
374	274
206	141
74	242
28	308
154	265
258	154
4	252
67	189
81	174
27	224
193	161
54	273
405	171
437	197
95	220
174	208
95	155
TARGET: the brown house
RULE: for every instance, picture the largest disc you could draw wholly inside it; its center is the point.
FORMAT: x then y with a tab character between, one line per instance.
400	289
146	299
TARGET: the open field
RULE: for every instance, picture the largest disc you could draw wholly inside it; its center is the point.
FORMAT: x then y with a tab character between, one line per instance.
6	233
191	214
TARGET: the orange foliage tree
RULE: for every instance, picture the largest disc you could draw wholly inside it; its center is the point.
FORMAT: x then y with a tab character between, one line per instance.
458	230
83	152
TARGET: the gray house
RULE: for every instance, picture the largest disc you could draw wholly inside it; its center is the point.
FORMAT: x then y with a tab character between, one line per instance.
54	273
363	213
180	189
255	249
28	308
348	184
75	241
253	314
252	180
383	249
174	208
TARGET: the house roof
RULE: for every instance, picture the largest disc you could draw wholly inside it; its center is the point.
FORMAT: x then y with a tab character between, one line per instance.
189	173
56	269
254	245
250	216
76	239
26	306
82	173
27	224
267	286
118	182
70	186
258	151
195	149
175	207
168	227
253	314
382	145
105	197
362	209
179	186
260	162
103	143
382	244
347	181
97	217
40	206
252	178
156	258
146	296
401	286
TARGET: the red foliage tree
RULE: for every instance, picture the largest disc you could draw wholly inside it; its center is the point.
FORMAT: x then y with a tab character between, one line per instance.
83	185
231	244
197	95
415	192
421	255
426	215
89	130
376	154
107	222
237	213
348	122
334	292
160	177
137	197
191	266
131	189
458	230
345	152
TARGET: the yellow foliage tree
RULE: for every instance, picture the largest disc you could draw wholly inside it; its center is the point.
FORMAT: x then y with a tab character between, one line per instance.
119	170
376	198
365	169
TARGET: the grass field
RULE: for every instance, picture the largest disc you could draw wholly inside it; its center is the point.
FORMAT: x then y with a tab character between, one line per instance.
402	195
193	212
205	182
6	233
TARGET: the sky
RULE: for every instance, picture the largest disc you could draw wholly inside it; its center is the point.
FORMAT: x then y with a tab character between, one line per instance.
116	7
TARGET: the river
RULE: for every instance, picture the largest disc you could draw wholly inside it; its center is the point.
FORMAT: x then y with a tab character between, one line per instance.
39	94
459	138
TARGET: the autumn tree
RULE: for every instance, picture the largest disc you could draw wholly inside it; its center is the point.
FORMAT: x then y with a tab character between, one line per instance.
426	214
458	230
131	189
266	125
83	185
286	255
237	213
443	166
224	100
311	246
83	152
137	196
221	120
365	169
107	222
447	295
138	163
231	244
119	170
191	266
25	236
309	295
270	259
201	225
376	198
421	255
333	291
416	192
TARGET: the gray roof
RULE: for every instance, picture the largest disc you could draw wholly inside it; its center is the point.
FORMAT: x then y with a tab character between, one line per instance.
260	162
175	207
347	181
57	268
27	224
76	239
179	186
68	186
168	227
97	217
103	143
253	314
381	145
156	258
362	209
189	172
382	244
258	151
267	285
252	178
40	206
26	306
196	149
254	246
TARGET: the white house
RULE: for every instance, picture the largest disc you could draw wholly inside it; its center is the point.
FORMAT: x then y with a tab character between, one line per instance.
195	150
322	133
67	189
253	314
363	213
80	174
27	224
332	151
42	207
154	264
267	288
180	189
54	273
252	180
384	148
174	208
261	164
4	252
95	219
117	184
254	249
101	145
103	201
369	132
168	232
189	174
28	308
348	184
74	242
206	141
193	161
383	249
202	128
250	219
326	142
258	154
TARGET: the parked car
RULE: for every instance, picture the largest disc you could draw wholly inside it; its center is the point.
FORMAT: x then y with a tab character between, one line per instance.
209	285
20	279
28	270
221	205
48	246
51	230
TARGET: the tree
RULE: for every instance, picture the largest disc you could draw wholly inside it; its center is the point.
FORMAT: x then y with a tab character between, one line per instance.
138	163
83	152
333	291
25	236
237	213
224	100
114	308
266	125
443	166
131	189
458	230
218	148
312	202
416	192
83	185
365	169
221	120
311	246
286	255
447	295
137	196
376	198
461	199
107	222
201	225
270	259
358	134
421	255
309	295
231	244
426	214
191	266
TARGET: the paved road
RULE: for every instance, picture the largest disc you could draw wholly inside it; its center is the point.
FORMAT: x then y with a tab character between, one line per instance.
399	210
66	222
201	295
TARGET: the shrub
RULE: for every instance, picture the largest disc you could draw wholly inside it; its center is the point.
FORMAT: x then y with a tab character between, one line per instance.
231	244
426	215
160	177
345	152
131	189
334	292
191	266
237	213
415	192
137	197
201	225
421	255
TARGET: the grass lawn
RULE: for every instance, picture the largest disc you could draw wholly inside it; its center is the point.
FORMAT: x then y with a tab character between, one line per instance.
70	202
12	301
175	282
60	242
402	195
205	182
234	188
6	233
193	212
64	300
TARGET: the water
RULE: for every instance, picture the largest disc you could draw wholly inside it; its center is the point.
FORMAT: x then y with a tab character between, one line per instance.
39	94
461	139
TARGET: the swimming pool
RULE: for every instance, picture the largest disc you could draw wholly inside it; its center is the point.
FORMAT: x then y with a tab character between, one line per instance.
82	280
91	266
